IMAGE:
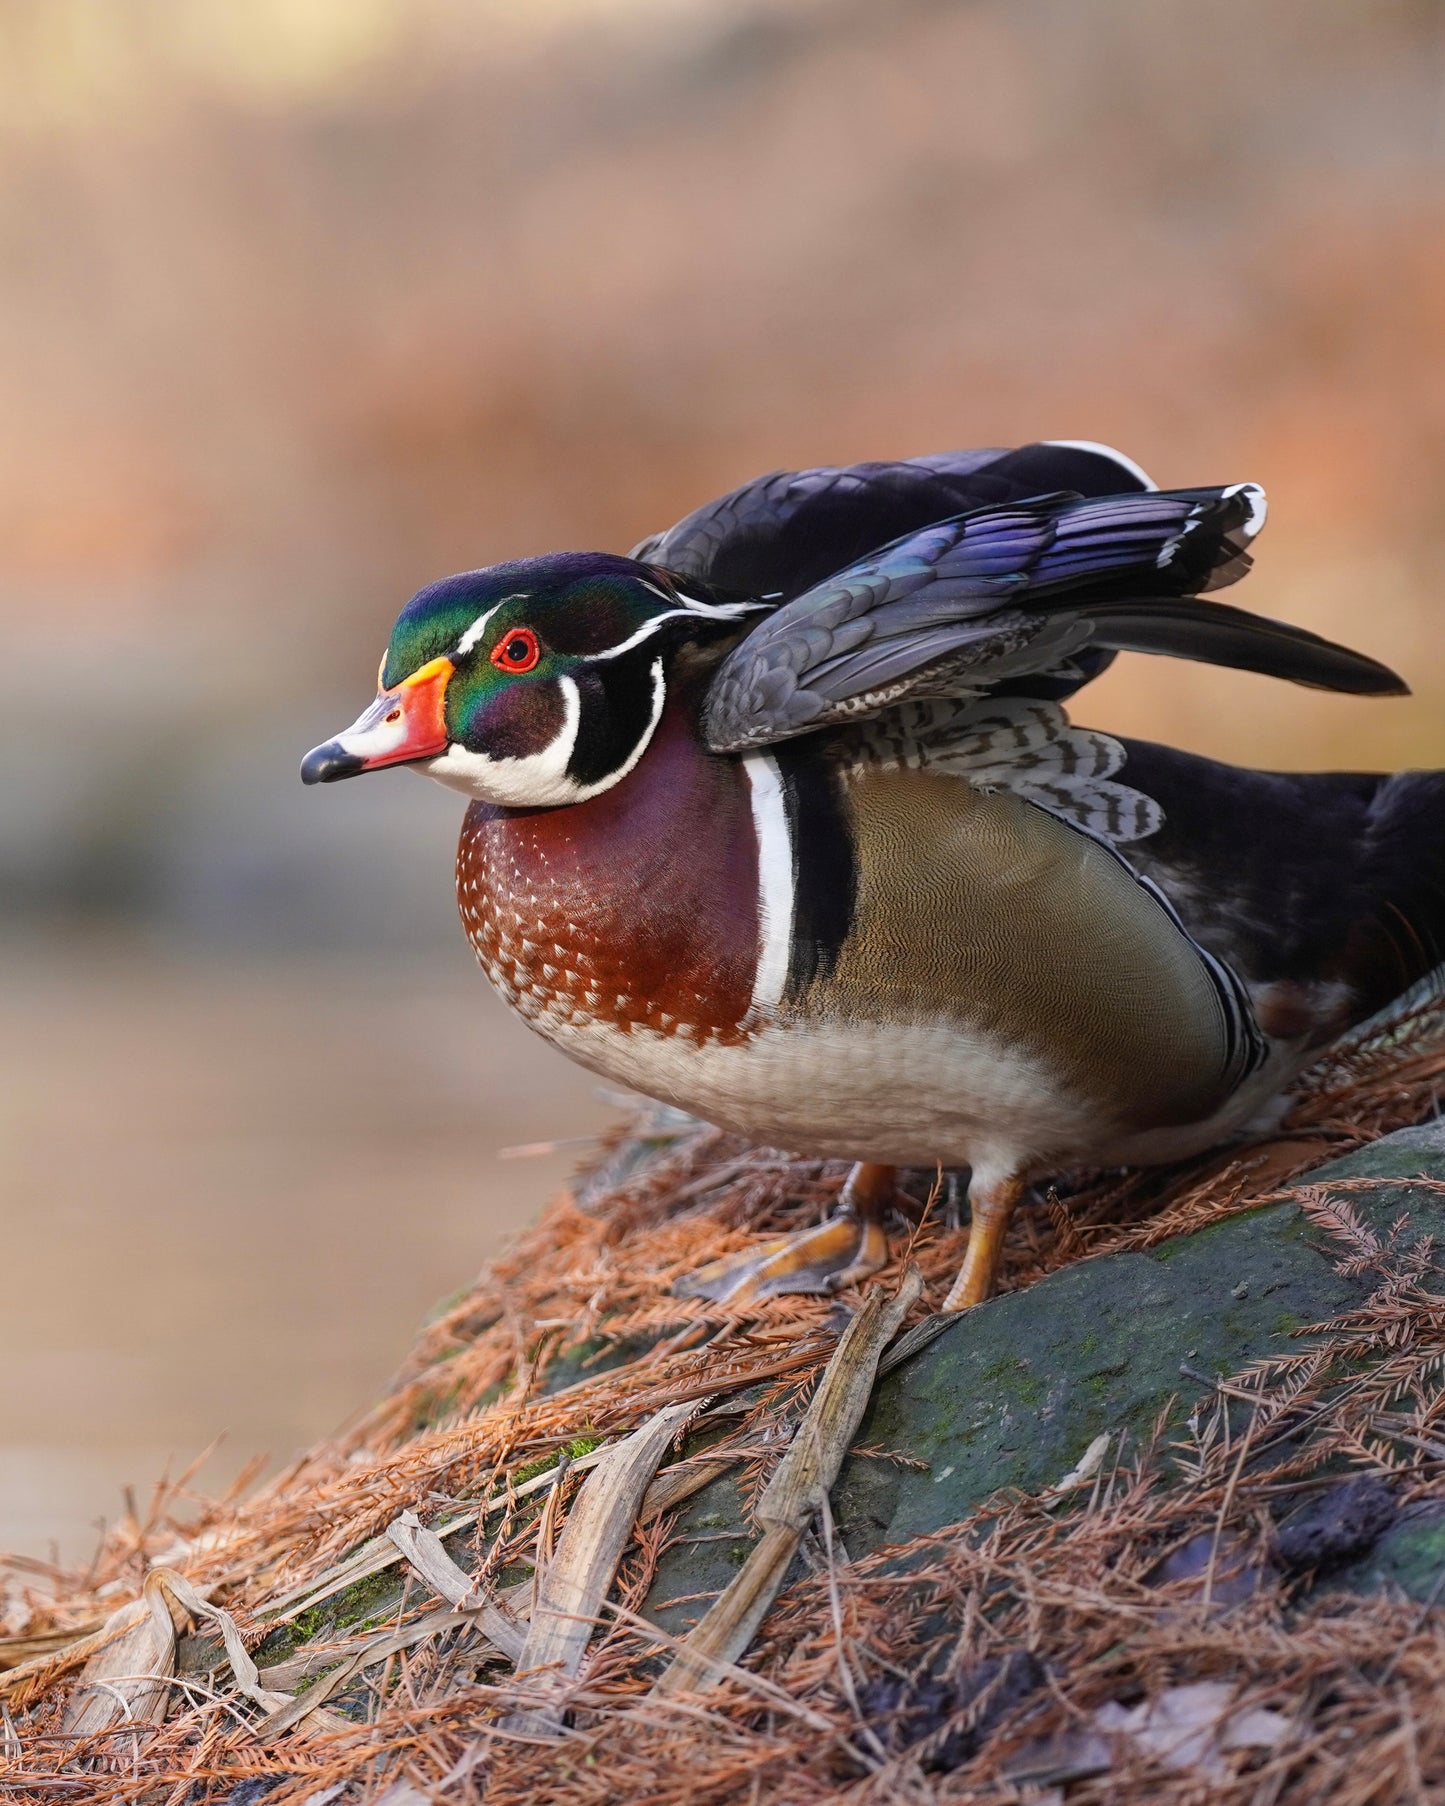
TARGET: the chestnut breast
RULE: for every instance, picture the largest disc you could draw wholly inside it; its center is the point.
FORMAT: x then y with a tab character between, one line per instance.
637	908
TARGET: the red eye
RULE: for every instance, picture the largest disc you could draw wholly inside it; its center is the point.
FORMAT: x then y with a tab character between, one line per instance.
517	650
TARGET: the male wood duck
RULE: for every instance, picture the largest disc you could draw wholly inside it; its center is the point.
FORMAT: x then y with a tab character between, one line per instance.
780	819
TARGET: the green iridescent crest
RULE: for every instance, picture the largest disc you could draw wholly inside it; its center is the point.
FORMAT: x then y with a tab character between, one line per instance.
579	605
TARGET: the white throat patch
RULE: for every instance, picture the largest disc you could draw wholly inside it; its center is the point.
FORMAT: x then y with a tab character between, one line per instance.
541	780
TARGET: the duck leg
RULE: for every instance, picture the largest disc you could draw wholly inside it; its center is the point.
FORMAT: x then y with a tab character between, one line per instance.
850	1246
991	1204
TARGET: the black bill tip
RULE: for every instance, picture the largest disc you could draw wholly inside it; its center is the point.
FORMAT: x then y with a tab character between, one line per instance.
329	763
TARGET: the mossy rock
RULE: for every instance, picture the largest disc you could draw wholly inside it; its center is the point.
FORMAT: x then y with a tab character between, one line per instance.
1409	1558
710	1543
598	1355
1013	1393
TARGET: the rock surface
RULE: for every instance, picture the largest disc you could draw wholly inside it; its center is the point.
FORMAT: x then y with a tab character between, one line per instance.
1013	1393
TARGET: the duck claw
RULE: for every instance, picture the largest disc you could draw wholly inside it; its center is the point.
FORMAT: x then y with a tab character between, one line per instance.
839	1253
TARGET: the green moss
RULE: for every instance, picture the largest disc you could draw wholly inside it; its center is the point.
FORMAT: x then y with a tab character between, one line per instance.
530	1470
698	1560
366	1603
308	1626
1104	1343
374	1597
308	1681
1098	1388
1013	1378
573	1450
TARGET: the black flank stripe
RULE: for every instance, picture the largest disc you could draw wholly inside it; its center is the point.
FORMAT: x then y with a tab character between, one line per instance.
616	697
825	870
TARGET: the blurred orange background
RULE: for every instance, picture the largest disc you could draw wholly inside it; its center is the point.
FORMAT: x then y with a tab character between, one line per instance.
306	302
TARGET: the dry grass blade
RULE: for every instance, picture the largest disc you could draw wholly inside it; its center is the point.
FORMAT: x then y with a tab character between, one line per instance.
811	1464
681	1482
428	1558
504	1621
380	1553
15	1652
127	1678
50	1664
367	1654
317	1658
571	1589
793	1496
247	1675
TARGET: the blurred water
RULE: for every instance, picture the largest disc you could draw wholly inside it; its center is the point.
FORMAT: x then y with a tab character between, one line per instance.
229	1193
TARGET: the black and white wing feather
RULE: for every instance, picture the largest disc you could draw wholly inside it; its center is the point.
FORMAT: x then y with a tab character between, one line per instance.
1009	594
1015	743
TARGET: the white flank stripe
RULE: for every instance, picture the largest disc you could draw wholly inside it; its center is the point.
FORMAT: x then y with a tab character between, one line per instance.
1106	451
775	883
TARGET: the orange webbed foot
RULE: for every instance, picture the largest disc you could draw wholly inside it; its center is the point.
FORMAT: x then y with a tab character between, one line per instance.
851	1246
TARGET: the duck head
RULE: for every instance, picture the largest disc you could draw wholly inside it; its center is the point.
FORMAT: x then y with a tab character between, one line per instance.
531	684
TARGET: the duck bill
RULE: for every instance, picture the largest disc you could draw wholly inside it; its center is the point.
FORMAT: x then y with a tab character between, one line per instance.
403	725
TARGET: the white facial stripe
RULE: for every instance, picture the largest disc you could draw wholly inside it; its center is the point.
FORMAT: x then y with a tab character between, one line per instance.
479	626
716	611
659	697
776	883
673	614
724	611
647	629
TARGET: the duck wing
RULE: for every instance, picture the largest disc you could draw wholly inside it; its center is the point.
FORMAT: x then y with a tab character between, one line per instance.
782	533
1020	596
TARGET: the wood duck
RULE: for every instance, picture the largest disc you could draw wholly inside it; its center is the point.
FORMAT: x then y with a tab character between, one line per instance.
780	819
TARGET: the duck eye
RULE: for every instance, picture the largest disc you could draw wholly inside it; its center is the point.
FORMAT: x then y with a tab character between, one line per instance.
517	650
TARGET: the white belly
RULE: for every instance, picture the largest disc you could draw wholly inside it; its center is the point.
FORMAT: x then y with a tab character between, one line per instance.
909	1095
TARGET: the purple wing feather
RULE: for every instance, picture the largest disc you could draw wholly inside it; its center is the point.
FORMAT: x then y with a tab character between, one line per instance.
1003	596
